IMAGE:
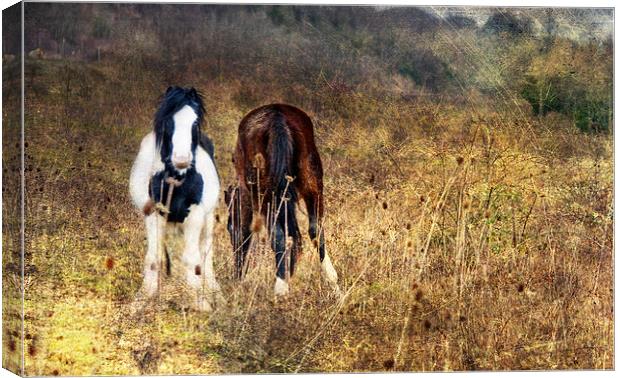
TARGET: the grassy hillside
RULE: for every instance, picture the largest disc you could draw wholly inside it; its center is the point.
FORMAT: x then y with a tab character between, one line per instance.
470	220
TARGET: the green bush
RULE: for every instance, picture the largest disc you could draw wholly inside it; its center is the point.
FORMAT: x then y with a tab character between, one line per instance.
565	95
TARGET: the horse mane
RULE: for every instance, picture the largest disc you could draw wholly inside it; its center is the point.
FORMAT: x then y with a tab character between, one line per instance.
172	101
206	143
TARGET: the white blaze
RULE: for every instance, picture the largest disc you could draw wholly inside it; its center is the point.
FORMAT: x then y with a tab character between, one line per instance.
182	138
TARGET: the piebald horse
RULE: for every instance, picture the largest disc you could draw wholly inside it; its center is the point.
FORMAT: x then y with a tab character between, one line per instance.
174	183
277	162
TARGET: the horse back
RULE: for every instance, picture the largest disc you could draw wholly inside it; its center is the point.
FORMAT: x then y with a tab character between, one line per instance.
256	161
255	127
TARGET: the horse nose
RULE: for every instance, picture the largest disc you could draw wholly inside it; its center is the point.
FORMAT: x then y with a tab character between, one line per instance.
181	162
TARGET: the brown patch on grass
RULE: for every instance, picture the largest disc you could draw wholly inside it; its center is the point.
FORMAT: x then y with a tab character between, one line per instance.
11	344
257	223
419	294
109	263
388	364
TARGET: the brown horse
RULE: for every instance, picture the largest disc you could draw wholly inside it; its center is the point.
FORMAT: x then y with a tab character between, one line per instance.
277	163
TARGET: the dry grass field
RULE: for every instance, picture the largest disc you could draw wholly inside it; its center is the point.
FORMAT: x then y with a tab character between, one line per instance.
468	233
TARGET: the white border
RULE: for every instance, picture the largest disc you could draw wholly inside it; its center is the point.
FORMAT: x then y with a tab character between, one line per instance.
478	3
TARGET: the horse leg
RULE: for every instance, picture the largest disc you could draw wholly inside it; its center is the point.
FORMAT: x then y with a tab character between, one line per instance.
213	286
155	230
295	248
194	257
314	206
278	244
241	230
241	251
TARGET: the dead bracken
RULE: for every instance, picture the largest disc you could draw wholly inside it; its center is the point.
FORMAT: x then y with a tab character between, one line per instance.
32	349
388	364
257	223
419	294
109	263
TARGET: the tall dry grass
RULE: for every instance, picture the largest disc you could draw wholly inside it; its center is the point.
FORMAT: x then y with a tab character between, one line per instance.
468	234
463	240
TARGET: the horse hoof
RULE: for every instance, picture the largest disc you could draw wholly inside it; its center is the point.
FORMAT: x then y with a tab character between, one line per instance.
136	308
280	289
139	304
328	272
218	299
201	304
337	293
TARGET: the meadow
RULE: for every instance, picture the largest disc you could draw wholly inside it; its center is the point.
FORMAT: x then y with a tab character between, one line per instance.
468	215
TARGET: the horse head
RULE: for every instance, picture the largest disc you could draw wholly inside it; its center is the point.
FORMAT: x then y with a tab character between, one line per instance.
177	128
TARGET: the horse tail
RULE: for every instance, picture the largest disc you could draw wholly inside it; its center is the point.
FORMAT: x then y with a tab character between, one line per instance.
282	174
